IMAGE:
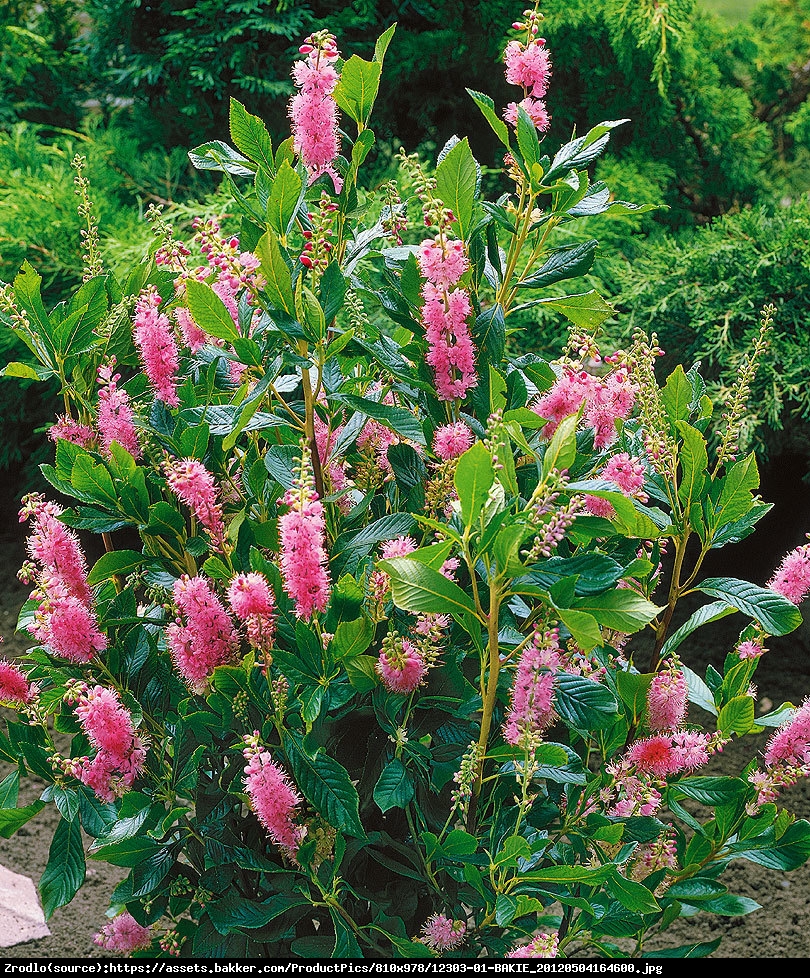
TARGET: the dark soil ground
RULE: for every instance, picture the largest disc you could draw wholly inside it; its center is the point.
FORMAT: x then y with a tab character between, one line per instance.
778	930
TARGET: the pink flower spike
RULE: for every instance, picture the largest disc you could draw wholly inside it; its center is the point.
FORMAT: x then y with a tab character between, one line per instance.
204	638
303	557
125	934
273	799
790	744
531	709
528	66
667	700
441	933
115	419
14	687
401	667
251	594
194	485
452	440
157	346
792	579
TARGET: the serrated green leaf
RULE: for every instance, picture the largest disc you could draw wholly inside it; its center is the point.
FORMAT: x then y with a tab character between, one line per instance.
250	135
584	703
394	788
473	478
456	178
276	273
417	587
326	785
65	871
209	311
563	263
776	614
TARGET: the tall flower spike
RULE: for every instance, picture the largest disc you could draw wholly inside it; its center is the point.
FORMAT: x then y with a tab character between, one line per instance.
204	638
272	797
194	485
528	65
302	533
531	709
154	338
313	110
115	413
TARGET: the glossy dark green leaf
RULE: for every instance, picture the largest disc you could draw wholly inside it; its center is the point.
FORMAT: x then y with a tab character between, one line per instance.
65	871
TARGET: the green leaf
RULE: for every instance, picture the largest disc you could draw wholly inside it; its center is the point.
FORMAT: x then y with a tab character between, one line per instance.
487	107
416	587
23	370
473	478
326	785
9	790
528	142
584	703
635	896
735	498
381	45
234	912
699	692
357	88
563	263
250	135
710	791
708	613
216	155
118	562
209	311
584	628
676	395
352	638
570	874
394	788
346	945
587	310
12	819
581	151
700	950
397	419
729	905
737	716
790	851
694	461
456	178
127	852
696	888
489	332
632	688
622	609
94	481
276	273
776	614
65	871
562	449
283	201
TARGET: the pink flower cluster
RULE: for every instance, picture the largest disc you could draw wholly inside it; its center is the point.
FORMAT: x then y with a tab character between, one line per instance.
253	602
792	578
303	557
606	399
272	798
400	665
531	709
65	621
667	700
628	474
120	752
543	946
154	338
441	933
115	413
452	440
313	110
529	66
194	485
69	430
379	582
663	755
442	262
787	756
204	637
14	687
123	933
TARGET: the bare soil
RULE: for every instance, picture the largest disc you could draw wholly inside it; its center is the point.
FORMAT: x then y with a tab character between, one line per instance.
778	930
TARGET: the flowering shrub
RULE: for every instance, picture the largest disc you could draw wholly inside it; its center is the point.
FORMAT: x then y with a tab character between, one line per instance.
358	672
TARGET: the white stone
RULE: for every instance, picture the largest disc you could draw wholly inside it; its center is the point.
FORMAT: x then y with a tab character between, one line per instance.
21	916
